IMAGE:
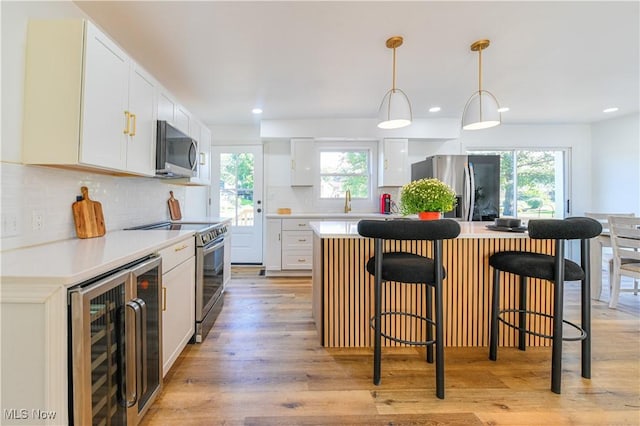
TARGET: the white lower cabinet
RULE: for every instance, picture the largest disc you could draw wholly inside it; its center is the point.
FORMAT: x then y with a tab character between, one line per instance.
178	300
288	245
273	245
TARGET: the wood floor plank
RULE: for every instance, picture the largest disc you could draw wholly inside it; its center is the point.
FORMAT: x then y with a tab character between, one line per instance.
262	365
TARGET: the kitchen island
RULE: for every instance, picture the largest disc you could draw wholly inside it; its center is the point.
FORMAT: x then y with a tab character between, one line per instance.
343	289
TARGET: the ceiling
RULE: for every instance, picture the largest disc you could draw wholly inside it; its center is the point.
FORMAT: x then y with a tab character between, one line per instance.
549	62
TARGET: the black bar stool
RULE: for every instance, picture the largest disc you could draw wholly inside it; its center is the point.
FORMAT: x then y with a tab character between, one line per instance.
409	268
555	269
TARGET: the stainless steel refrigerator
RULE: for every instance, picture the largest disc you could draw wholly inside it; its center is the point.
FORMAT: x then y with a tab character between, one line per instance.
474	178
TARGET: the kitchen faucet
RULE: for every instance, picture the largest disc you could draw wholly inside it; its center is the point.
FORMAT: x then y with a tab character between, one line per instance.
347	201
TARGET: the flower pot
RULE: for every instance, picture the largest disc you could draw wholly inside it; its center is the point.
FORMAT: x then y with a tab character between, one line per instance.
429	215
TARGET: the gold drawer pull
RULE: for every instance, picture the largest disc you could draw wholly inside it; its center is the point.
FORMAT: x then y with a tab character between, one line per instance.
302	240
164	299
127	117
181	248
302	224
302	260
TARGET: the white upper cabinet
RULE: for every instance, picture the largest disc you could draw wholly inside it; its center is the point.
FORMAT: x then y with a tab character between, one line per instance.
302	162
182	120
166	107
393	162
87	103
204	160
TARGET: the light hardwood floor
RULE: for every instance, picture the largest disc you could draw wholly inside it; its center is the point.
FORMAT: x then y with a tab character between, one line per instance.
262	365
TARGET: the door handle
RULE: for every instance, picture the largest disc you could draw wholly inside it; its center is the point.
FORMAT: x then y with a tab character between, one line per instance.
127	117
141	347
135	121
131	318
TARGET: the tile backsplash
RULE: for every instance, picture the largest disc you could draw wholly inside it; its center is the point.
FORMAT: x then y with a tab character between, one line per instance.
36	202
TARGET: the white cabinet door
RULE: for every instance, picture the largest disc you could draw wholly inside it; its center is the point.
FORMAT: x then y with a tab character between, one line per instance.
181	119
302	161
142	134
204	163
178	311
273	245
166	107
393	169
106	92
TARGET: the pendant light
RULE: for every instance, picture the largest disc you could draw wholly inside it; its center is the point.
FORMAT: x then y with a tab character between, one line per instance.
481	110
395	109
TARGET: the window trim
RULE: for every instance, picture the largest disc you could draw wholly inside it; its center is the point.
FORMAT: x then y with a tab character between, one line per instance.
371	147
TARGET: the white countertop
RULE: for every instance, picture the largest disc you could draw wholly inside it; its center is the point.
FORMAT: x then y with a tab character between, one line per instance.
336	215
349	229
202	219
73	261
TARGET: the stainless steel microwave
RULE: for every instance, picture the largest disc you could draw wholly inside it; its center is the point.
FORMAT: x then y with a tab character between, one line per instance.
176	153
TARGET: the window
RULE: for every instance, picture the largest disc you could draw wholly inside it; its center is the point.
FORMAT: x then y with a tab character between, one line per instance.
532	183
345	169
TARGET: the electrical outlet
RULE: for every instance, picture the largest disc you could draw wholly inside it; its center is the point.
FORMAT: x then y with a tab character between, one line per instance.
10	225
37	220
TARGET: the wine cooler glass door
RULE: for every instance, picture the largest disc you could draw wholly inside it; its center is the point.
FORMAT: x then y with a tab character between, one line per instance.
97	352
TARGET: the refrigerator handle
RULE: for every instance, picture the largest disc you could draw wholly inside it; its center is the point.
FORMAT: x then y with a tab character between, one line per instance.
131	318
141	345
472	192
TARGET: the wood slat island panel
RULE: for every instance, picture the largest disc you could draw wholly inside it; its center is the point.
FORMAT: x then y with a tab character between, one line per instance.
343	291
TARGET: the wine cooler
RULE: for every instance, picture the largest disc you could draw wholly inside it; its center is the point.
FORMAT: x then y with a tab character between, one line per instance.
115	345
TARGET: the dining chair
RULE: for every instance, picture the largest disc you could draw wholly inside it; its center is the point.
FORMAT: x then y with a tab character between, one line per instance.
409	268
625	243
554	269
598	244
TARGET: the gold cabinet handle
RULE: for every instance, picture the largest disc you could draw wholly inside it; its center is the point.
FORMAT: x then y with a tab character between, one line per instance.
386	164
293	164
127	116
164	299
302	240
203	159
181	248
301	260
133	133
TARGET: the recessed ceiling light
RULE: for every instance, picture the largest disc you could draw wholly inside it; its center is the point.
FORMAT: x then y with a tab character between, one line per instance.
612	109
256	111
503	109
434	109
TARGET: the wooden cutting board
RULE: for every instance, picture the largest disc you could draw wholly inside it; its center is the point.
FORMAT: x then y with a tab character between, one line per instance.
174	208
88	217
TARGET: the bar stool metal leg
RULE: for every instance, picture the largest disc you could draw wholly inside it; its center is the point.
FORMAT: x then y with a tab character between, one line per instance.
439	328
377	344
586	310
495	303
429	300
558	291
522	315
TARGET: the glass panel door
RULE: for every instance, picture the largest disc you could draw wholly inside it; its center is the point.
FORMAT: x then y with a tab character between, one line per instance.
238	195
98	352
532	183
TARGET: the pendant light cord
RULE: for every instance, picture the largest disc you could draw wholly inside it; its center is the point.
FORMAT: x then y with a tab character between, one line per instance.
480	70
393	86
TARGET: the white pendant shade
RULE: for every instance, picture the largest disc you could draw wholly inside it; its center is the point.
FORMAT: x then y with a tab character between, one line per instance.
395	110
481	111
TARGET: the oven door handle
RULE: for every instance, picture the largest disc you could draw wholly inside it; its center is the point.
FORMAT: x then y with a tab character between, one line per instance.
214	247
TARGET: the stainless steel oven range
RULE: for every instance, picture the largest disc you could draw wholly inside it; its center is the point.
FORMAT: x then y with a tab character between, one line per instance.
209	239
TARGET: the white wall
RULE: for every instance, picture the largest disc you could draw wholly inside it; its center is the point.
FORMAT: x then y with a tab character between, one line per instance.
616	165
32	190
